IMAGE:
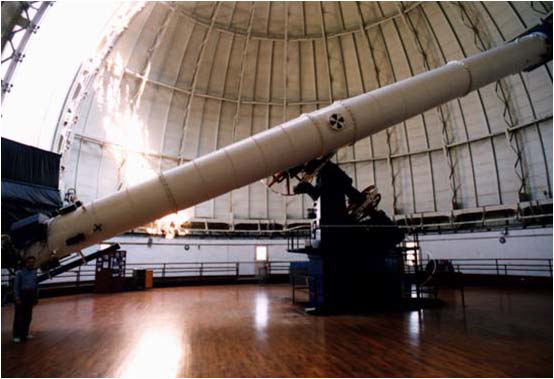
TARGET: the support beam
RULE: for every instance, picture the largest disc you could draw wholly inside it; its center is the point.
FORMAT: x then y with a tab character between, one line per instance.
16	55
326	52
364	32
528	96
346	85
285	84
389	131
196	68
236	117
217	97
173	90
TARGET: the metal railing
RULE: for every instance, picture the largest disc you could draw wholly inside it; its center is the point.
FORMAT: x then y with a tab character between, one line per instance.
297	239
502	266
539	267
168	270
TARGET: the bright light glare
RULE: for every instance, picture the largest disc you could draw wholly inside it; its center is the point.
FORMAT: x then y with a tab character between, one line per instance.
157	354
68	34
262	304
124	127
411	254
170	234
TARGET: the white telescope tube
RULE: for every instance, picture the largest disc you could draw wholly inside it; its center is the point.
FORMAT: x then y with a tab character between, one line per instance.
282	147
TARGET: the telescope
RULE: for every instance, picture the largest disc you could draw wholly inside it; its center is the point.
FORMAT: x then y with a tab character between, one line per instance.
291	144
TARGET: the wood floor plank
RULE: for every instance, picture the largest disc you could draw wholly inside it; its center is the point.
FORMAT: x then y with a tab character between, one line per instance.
254	331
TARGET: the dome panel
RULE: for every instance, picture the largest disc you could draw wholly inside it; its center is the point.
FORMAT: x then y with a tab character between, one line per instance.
186	78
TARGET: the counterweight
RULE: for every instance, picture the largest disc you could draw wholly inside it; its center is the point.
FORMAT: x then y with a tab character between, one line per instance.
287	145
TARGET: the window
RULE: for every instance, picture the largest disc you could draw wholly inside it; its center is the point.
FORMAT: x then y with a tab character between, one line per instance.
261	253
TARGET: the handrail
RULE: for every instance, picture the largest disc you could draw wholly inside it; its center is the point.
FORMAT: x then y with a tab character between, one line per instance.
217	262
498	266
173	269
501	266
500	259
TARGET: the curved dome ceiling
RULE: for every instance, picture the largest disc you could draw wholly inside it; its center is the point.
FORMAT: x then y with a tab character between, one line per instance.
184	79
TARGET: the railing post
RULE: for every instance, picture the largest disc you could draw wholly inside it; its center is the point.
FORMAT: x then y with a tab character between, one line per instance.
416	275
237	269
201	268
550	266
163	272
316	280
458	267
462	289
293	282
506	270
78	276
497	272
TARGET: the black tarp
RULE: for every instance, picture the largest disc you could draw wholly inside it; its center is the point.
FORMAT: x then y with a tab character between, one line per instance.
20	200
28	164
29	182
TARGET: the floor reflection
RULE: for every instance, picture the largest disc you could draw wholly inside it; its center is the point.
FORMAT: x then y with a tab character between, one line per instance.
157	353
415	322
261	314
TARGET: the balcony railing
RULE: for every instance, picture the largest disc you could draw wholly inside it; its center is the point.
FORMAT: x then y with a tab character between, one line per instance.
537	267
502	266
169	270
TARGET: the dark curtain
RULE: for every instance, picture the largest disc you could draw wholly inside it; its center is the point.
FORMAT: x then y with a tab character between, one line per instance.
28	164
29	182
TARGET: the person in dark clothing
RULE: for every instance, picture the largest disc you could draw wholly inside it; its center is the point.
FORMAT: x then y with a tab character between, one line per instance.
25	294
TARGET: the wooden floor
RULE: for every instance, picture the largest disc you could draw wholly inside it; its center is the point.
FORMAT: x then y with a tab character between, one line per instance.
251	330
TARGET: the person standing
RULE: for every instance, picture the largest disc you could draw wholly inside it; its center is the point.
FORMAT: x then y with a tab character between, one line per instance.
25	294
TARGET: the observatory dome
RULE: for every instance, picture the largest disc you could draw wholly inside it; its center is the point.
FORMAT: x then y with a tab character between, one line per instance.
173	81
